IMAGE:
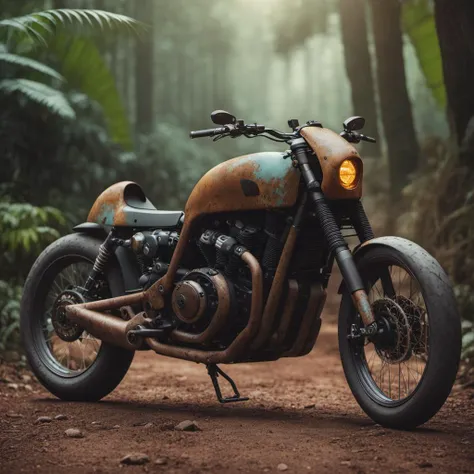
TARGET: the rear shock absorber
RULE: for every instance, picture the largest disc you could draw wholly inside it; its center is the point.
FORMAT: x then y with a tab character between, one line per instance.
106	249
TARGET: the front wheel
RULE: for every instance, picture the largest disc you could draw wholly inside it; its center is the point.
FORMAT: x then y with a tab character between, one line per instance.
69	362
402	376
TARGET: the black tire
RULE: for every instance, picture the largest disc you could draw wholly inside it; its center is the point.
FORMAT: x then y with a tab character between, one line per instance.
443	352
111	363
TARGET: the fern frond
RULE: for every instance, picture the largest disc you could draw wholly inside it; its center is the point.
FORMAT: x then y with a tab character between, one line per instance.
41	26
52	99
26	62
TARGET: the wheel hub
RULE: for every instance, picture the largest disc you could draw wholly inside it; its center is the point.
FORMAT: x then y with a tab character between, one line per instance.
66	329
393	343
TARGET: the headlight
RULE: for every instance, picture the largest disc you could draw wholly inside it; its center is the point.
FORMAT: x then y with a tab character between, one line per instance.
348	174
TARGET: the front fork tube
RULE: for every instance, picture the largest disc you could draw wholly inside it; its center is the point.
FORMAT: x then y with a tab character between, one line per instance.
345	262
336	242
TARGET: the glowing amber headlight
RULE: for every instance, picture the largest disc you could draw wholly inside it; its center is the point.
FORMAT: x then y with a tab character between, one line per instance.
348	174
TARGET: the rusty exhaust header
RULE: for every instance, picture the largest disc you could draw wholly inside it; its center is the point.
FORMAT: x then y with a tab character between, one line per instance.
240	343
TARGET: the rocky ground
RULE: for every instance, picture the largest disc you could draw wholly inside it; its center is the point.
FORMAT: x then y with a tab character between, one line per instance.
301	417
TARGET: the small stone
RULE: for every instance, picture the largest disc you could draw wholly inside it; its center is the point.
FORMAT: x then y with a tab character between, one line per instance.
13	386
312	405
26	378
135	459
182	378
148	425
282	467
44	419
425	464
116	427
11	414
346	463
96	423
74	433
187	425
61	417
28	387
161	461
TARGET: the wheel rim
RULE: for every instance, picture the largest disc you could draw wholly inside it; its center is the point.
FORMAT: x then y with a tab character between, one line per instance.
392	365
67	359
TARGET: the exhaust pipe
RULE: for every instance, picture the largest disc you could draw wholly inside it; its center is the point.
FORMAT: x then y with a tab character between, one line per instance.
106	327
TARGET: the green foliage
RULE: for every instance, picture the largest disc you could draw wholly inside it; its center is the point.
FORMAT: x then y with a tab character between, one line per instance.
26	229
419	24
42	94
84	68
40	27
25	62
10	296
78	58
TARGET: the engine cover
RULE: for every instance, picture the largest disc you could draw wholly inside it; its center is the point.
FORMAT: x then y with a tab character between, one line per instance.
189	301
201	298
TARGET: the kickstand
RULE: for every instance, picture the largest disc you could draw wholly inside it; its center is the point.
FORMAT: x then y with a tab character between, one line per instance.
214	372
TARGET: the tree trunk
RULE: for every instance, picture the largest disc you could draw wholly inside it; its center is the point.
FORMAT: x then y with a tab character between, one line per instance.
358	64
144	70
455	24
397	119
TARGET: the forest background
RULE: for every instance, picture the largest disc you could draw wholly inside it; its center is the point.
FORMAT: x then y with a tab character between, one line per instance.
88	99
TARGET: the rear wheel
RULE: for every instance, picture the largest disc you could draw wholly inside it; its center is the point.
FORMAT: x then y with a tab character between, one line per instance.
69	362
402	376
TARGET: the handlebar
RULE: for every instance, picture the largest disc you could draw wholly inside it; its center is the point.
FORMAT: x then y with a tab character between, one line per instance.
210	132
238	129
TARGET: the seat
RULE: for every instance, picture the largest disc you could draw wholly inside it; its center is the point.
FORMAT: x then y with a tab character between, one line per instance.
140	212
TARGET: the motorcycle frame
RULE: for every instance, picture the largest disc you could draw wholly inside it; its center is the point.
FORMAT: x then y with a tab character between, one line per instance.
258	330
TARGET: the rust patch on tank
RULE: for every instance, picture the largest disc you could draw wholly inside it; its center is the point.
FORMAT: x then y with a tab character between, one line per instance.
331	150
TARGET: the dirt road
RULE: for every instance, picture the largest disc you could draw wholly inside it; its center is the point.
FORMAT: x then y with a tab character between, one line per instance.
301	417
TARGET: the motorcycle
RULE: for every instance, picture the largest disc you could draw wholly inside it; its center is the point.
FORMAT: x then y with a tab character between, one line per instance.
241	276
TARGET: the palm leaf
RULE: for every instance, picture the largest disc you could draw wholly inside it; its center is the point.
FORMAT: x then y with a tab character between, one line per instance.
81	63
23	61
419	24
52	99
41	26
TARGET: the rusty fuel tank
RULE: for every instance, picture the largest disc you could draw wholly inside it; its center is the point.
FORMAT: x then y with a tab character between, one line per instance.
251	182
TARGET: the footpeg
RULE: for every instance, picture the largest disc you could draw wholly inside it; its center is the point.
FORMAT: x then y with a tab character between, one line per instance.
142	331
214	372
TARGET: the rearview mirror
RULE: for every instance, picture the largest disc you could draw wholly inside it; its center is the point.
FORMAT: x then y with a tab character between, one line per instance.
354	123
221	117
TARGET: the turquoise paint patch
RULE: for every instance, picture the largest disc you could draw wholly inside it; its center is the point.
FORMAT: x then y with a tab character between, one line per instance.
106	215
271	166
268	166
